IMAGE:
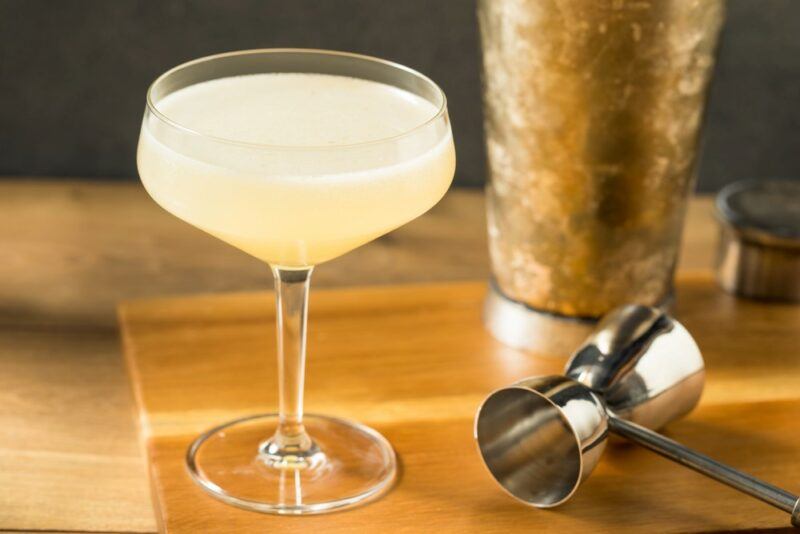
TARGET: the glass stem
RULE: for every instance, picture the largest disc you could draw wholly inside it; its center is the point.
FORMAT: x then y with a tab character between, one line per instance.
291	447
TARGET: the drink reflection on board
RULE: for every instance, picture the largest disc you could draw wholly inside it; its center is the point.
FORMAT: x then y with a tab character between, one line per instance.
296	157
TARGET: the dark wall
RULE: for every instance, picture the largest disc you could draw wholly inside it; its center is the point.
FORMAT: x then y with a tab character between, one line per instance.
73	74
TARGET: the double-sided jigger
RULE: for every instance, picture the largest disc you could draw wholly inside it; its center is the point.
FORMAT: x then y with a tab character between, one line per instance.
639	370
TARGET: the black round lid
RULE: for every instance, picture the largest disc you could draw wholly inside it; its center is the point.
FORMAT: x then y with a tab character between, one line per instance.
767	211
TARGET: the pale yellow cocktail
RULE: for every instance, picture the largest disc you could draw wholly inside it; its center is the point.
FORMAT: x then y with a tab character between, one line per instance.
293	206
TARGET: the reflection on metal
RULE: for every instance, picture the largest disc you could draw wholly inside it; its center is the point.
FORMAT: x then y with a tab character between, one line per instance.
640	369
759	252
593	112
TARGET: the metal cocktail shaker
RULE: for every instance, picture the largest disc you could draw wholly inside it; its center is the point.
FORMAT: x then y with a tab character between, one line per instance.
593	112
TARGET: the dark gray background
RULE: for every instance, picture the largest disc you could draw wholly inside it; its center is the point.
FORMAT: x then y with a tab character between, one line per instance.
73	73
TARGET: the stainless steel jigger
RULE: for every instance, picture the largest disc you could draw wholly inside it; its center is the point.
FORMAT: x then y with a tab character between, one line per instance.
639	370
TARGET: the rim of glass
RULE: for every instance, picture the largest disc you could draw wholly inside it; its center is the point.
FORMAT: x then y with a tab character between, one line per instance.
151	106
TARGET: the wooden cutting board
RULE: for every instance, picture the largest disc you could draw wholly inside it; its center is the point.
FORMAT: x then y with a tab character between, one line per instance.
415	362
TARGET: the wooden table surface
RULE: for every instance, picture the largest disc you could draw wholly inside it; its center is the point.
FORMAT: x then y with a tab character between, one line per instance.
69	457
414	363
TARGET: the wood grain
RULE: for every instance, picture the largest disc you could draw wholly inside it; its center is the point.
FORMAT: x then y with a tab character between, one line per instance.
69	457
415	362
71	249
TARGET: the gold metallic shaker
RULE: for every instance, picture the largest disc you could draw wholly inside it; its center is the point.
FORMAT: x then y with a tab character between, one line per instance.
592	111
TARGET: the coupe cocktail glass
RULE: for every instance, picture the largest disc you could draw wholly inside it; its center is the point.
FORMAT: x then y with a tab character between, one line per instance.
296	157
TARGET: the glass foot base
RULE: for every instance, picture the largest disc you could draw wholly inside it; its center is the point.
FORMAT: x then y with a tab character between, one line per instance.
353	465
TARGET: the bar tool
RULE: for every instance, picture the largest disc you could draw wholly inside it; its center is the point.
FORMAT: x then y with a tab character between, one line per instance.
593	111
759	250
640	369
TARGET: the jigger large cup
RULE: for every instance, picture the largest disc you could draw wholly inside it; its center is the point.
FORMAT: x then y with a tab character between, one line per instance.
640	369
542	437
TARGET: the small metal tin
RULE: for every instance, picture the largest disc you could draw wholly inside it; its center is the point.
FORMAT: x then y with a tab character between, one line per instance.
759	250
